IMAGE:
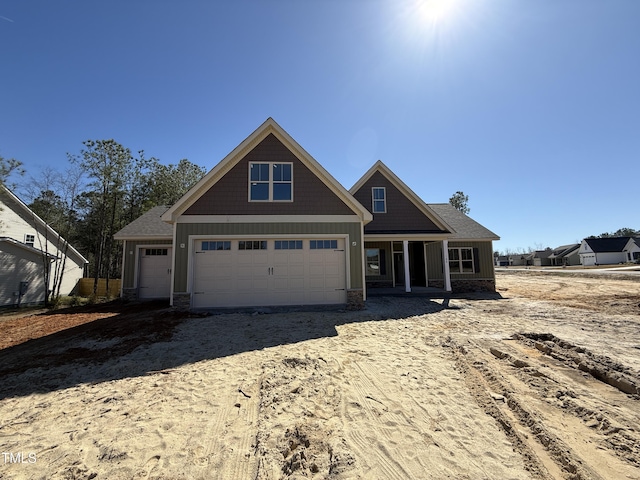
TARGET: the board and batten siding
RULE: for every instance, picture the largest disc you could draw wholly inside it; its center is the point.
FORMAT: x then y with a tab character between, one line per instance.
185	230
484	261
130	265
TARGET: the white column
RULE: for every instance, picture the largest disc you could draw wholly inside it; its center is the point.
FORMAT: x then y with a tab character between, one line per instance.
445	262
407	274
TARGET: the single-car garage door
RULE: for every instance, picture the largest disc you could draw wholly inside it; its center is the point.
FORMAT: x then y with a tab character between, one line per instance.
262	272
155	273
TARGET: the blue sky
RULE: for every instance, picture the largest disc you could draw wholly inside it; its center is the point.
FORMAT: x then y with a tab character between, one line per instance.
531	107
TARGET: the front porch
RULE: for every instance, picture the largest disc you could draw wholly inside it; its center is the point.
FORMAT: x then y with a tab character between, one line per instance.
416	266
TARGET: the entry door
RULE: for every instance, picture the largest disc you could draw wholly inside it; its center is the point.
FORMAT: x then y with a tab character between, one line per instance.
155	273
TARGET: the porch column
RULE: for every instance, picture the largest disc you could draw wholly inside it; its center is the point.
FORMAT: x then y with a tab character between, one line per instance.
445	263
407	274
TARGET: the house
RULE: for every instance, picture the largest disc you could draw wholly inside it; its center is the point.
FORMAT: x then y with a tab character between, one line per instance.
268	225
603	251
632	249
26	244
405	241
565	255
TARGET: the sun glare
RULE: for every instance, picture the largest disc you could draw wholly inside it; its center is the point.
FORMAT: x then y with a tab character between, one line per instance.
435	11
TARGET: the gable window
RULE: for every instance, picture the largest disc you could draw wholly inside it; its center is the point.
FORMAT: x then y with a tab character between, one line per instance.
270	182
29	240
461	260
379	199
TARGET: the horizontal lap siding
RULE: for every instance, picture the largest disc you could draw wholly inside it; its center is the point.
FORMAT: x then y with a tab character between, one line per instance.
130	247
184	230
230	194
485	258
401	214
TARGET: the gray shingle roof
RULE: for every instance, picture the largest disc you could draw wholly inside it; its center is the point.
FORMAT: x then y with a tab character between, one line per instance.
465	227
147	225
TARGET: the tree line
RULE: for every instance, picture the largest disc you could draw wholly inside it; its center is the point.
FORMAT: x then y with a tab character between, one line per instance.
97	192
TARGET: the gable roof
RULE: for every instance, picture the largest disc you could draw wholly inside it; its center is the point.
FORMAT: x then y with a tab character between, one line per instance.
464	227
564	250
268	127
39	223
609	244
381	168
26	247
148	226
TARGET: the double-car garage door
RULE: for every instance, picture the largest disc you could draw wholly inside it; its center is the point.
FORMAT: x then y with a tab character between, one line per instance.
263	271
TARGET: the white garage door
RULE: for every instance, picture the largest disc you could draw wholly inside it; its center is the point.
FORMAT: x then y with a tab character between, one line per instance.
155	273
237	273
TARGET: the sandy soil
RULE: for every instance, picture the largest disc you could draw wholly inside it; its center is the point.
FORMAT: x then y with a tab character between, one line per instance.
538	382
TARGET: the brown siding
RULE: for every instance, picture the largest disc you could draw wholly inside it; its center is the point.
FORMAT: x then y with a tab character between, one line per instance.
401	216
230	195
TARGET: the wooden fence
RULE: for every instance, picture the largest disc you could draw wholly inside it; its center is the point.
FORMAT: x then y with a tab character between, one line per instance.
84	287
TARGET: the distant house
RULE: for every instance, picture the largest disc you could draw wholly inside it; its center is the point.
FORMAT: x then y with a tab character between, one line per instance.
565	255
632	249
540	258
26	243
603	251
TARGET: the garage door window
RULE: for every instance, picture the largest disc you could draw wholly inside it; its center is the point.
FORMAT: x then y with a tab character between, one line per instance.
322	244
216	245
288	244
252	245
152	252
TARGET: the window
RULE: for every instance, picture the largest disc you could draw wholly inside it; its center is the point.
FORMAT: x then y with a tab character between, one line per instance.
216	245
379	199
252	245
270	182
373	261
323	244
461	260
29	240
288	244
156	252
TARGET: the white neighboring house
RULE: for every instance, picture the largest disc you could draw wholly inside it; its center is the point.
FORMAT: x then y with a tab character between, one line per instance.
632	249
24	239
603	251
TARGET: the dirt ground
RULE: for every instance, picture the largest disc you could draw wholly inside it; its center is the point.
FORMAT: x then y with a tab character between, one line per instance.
540	381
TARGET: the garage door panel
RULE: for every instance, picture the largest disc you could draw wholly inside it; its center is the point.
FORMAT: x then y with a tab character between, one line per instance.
289	275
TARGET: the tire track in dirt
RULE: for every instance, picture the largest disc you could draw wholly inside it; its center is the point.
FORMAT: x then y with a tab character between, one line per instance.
525	398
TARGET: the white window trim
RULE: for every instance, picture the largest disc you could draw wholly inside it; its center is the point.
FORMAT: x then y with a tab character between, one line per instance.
271	182
373	199
30	242
459	270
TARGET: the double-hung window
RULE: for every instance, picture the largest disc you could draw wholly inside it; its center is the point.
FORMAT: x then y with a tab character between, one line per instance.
270	182
29	239
461	260
379	199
